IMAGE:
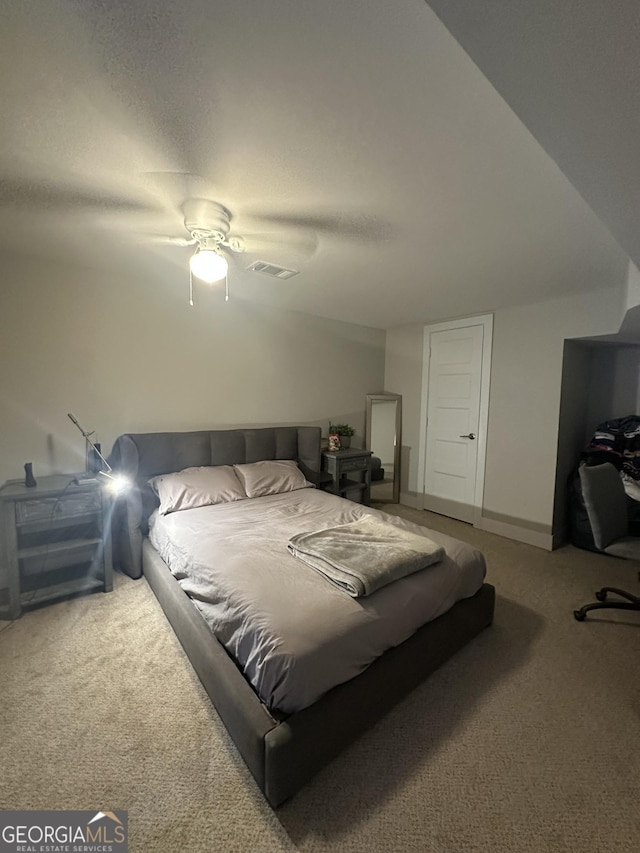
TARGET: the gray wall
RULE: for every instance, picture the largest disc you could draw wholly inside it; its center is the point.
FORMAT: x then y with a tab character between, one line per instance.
599	382
572	426
403	375
524	402
131	355
613	384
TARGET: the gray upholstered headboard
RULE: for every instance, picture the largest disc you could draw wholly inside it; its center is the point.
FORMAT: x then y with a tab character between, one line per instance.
144	455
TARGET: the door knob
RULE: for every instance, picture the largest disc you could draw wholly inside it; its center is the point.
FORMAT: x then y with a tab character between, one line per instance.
471	435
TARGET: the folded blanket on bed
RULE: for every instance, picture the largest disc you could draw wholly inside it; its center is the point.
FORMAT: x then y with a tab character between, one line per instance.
364	555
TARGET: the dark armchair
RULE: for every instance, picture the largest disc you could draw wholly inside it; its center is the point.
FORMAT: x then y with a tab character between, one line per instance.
606	503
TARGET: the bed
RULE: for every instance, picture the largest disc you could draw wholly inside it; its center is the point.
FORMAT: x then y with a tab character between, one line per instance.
285	736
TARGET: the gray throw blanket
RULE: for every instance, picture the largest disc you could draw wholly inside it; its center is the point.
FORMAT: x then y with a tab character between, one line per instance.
364	555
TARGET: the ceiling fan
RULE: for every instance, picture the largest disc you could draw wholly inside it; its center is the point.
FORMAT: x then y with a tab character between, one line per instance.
208	224
282	240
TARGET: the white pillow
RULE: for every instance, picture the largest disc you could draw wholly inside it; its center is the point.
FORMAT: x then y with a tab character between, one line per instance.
271	477
194	487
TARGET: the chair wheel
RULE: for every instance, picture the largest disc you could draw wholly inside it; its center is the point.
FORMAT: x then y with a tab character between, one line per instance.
580	616
601	596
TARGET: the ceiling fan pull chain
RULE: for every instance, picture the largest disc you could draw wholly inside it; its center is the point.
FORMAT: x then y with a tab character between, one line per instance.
190	287
226	287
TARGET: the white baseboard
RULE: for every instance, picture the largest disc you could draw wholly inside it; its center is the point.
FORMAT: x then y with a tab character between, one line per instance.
410	499
539	537
514	531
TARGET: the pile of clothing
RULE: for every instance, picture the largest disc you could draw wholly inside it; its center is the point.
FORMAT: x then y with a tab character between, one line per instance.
618	441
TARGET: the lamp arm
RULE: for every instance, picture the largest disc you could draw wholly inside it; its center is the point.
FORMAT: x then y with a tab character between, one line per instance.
89	442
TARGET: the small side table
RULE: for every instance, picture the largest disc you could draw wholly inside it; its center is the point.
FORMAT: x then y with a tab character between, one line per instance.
351	472
54	542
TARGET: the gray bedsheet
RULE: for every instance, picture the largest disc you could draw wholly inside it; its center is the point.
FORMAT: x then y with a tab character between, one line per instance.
293	634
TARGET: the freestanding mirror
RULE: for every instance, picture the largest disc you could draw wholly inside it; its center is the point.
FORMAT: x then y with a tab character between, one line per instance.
383	438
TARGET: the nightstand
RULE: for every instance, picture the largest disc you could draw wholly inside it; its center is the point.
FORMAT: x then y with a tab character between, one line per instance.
54	542
351	472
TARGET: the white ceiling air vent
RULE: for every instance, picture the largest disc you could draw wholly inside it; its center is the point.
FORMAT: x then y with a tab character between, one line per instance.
272	270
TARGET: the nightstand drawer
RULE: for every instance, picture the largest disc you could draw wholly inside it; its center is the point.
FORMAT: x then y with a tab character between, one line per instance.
45	509
358	464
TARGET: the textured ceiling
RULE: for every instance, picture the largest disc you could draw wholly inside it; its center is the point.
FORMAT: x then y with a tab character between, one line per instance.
571	72
356	142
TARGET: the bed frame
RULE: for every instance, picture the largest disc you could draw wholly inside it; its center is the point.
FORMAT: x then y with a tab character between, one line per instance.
283	752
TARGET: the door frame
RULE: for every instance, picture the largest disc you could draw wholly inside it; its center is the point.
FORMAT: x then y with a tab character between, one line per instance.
485	320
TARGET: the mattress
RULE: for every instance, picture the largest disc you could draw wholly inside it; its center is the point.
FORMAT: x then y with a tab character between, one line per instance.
293	634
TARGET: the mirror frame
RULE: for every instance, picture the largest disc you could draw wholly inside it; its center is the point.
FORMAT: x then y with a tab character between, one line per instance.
397	438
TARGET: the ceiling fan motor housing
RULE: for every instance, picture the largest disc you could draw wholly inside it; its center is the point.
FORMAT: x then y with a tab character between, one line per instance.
205	219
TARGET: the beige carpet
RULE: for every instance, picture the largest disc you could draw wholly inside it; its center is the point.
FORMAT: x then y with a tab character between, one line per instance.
527	740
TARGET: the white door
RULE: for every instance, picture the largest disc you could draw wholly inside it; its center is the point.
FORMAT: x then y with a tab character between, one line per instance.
455	425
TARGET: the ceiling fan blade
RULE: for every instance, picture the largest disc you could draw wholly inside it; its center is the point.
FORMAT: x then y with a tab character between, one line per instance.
355	227
174	188
303	245
22	193
166	240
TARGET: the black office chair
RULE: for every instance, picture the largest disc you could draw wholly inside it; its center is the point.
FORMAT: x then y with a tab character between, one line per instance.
606	504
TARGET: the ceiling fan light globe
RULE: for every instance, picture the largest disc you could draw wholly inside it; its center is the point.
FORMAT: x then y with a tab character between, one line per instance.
208	266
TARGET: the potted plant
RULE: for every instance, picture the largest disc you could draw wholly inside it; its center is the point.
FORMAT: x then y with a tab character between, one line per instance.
344	433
